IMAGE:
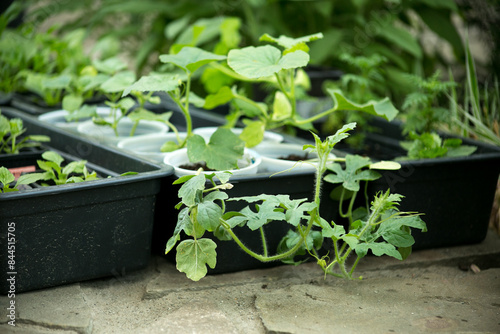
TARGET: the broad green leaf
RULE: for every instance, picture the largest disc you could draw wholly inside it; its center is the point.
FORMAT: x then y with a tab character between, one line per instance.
378	249
383	108
188	193
53	156
208	215
264	61
282	109
74	167
118	83
110	66
350	239
398	238
191	58
155	83
223	96
253	133
222	151
30	178
85	111
58	82
193	256
72	102
6	176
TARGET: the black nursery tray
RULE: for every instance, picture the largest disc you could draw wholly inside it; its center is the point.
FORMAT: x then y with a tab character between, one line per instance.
75	232
455	194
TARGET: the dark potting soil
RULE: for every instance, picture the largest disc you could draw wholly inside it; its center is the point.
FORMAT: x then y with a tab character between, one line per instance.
196	166
295	157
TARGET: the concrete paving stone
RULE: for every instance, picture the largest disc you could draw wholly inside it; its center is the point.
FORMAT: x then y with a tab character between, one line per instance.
171	280
57	308
428	302
27	329
194	318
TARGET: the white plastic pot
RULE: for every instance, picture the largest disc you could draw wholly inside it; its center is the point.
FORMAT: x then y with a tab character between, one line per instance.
248	165
272	154
149	146
58	118
106	135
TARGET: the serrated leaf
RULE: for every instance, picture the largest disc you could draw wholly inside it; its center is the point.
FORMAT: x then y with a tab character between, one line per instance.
351	176
378	249
193	256
191	58
264	61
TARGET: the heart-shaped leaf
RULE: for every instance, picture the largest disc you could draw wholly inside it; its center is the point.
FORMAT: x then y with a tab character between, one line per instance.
221	153
191	58
263	61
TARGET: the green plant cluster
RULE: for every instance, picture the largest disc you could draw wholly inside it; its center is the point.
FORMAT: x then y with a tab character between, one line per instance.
379	228
12	140
54	173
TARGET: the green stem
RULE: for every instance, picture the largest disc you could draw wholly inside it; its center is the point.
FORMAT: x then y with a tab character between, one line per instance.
264	243
134	128
185	112
276	257
316	117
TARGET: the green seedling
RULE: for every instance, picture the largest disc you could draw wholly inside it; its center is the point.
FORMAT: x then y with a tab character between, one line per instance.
431	145
75	171
7	179
11	139
280	67
382	229
224	148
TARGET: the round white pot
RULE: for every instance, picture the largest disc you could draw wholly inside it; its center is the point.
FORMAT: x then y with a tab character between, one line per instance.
106	135
149	146
269	136
58	118
272	153
248	165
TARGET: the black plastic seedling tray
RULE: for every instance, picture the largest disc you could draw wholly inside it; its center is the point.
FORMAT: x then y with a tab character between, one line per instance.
75	232
455	194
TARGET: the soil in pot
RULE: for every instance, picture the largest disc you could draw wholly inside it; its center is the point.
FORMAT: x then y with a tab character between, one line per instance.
196	166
